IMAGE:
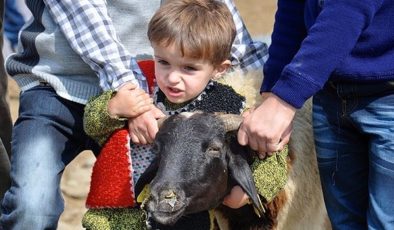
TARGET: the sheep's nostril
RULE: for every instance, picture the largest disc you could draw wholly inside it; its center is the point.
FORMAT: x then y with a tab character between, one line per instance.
170	194
170	198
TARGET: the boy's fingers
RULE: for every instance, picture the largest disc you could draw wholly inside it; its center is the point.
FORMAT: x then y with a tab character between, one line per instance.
134	138
237	198
152	130
138	138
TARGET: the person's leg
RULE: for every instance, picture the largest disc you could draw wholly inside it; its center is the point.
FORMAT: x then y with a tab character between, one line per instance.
47	135
342	154
4	171
5	134
5	120
376	118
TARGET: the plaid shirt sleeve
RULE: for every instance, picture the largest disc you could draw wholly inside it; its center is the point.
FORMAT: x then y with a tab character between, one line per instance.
90	32
246	54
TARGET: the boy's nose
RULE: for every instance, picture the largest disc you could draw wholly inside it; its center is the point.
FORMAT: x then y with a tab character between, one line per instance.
174	76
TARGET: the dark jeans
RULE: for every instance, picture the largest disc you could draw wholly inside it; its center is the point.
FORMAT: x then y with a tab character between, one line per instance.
354	136
47	136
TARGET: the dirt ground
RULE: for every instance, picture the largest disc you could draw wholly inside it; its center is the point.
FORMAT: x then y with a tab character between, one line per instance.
258	16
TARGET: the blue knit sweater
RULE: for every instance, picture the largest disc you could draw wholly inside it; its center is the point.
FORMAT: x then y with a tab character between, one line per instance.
317	40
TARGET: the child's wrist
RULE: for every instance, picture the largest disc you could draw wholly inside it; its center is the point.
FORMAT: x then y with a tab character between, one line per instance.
112	109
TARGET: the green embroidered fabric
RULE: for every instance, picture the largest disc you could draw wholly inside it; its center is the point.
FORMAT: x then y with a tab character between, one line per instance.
270	174
116	219
98	124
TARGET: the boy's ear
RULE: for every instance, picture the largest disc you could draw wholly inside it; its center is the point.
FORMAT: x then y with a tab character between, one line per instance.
221	69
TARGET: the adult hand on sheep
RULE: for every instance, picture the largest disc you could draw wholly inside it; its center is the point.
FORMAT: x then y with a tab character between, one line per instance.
143	128
237	198
267	129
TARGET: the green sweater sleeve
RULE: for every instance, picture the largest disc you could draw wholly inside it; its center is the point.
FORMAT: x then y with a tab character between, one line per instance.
98	124
270	174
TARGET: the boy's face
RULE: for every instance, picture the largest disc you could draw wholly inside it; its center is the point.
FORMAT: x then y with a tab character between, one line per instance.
180	78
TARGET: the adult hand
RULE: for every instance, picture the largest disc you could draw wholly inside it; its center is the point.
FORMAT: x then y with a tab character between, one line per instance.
129	101
267	128
237	198
143	128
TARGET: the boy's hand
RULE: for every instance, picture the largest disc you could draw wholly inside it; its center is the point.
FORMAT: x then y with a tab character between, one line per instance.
129	102
237	198
143	128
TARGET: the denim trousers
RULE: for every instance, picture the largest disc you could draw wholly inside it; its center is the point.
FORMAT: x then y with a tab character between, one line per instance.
47	135
354	137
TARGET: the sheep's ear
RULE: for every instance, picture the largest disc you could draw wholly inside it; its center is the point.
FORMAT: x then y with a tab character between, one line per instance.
242	174
147	176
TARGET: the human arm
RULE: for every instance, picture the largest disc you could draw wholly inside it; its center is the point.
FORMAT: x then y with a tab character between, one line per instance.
106	113
91	34
292	80
97	122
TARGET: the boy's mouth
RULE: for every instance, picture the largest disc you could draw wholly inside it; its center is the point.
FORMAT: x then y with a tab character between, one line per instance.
174	92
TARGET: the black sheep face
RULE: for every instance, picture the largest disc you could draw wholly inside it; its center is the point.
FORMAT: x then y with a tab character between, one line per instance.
197	163
192	170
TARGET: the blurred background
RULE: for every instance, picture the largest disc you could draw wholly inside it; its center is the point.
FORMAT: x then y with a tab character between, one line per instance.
258	16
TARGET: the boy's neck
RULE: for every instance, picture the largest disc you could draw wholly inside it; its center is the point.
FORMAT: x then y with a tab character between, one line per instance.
173	106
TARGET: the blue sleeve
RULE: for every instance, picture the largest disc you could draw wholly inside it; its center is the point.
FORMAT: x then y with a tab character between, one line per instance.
289	31
330	39
13	22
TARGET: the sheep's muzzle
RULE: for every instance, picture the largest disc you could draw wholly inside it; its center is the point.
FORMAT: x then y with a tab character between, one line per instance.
166	206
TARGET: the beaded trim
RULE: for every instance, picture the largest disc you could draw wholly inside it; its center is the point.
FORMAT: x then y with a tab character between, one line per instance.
187	108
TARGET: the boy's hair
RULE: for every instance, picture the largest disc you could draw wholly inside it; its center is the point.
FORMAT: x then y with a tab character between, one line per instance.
203	29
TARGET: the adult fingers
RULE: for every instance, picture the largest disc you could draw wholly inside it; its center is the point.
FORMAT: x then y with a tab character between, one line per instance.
267	147
242	137
281	143
285	139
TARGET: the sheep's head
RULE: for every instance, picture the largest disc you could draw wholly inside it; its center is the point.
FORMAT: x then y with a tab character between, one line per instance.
197	158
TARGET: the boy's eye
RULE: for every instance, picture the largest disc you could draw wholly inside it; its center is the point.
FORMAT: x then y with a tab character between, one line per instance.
190	68
163	62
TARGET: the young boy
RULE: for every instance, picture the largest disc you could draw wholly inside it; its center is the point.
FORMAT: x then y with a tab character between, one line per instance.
192	41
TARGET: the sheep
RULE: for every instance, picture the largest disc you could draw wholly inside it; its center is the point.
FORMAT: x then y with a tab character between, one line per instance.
197	153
